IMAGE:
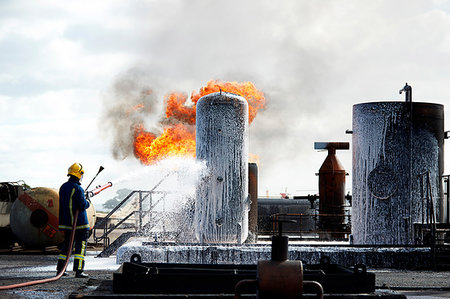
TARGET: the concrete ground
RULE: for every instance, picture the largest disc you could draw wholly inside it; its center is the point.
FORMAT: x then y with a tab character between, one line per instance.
21	268
414	284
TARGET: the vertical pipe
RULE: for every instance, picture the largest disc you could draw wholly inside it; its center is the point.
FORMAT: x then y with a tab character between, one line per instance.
253	191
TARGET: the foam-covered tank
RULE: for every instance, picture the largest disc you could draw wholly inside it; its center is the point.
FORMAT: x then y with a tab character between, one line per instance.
222	201
396	146
34	218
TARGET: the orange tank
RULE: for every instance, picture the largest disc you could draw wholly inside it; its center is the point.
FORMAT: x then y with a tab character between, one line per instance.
34	218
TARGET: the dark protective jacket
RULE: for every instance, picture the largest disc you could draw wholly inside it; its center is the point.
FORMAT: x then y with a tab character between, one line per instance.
71	198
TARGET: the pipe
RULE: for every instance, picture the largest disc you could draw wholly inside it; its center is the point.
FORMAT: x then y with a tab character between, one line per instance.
315	286
241	284
408	92
58	275
310	285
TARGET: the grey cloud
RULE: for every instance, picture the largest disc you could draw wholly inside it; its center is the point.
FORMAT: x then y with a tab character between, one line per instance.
121	114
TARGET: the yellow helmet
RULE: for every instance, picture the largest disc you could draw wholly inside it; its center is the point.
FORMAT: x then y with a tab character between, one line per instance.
76	169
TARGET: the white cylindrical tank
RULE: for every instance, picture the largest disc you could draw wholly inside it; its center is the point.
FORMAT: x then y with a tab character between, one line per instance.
222	201
397	168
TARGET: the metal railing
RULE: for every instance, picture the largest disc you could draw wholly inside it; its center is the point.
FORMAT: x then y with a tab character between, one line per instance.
303	229
140	213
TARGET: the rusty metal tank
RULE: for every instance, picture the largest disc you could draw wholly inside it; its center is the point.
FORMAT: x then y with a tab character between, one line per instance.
332	191
34	218
222	201
395	145
253	191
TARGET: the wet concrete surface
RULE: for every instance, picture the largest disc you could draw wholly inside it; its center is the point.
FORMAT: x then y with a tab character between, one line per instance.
21	268
414	284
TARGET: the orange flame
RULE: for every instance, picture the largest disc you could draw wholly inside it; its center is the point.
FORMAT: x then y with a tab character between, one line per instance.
178	140
176	108
178	137
254	97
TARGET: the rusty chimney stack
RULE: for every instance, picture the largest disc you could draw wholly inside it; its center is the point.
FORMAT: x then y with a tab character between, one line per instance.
332	191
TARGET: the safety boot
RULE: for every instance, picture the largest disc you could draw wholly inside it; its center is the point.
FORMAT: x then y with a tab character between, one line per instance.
80	274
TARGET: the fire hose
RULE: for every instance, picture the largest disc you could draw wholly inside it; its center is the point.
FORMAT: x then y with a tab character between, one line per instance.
88	194
59	275
96	191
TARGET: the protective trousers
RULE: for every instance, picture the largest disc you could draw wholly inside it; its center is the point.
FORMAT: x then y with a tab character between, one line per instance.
80	241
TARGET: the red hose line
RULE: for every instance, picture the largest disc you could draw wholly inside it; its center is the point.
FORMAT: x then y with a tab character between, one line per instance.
55	278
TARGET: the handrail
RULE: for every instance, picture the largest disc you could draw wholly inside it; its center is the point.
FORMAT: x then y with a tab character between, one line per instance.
98	224
143	195
117	225
313	217
145	213
103	223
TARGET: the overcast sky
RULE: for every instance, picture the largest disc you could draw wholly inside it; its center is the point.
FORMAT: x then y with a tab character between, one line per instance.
60	62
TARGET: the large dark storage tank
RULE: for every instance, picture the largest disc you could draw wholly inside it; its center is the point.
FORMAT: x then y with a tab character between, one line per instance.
294	207
397	146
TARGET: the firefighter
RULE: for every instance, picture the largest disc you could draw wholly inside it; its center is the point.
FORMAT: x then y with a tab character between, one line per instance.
71	199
